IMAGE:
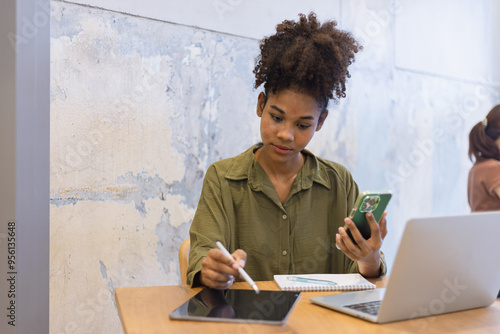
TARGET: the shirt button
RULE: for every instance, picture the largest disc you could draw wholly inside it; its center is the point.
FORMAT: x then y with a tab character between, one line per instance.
284	253
284	216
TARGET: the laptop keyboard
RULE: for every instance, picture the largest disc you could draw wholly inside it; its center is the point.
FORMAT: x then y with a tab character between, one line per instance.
368	307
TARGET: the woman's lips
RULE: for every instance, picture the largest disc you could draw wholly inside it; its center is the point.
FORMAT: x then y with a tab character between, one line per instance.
281	149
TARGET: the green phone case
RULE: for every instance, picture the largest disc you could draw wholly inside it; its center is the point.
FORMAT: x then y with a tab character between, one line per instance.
368	201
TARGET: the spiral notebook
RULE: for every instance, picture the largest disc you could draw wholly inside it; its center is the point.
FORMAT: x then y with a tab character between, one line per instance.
323	282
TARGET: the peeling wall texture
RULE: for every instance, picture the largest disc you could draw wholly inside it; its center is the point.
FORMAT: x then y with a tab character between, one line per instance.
139	110
141	107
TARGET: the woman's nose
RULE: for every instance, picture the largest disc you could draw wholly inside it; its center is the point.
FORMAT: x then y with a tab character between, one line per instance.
286	132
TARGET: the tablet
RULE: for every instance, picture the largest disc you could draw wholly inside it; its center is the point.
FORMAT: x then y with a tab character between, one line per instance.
267	307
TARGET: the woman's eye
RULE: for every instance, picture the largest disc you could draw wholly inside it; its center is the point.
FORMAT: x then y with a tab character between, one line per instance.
276	118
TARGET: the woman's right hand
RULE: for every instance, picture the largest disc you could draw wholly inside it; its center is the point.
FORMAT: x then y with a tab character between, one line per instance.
218	271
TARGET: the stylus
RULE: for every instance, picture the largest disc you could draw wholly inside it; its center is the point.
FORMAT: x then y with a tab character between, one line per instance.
242	272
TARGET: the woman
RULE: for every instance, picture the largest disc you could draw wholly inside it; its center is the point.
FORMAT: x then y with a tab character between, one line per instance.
484	176
278	202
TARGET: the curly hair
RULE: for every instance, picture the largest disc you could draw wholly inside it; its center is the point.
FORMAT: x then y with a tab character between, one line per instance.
483	135
308	57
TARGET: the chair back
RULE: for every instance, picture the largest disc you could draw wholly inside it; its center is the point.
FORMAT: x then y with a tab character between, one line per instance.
184	259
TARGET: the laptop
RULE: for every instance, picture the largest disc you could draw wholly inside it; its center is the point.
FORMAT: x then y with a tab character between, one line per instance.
443	264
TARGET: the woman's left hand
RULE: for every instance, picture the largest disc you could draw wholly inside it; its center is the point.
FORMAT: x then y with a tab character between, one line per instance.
365	252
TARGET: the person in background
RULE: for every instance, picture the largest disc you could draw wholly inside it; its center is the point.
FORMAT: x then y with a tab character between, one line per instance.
277	201
484	150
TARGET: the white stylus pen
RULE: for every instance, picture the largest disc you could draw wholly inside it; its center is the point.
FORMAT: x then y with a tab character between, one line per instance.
242	272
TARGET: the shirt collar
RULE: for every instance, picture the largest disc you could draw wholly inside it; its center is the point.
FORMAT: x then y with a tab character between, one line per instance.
245	166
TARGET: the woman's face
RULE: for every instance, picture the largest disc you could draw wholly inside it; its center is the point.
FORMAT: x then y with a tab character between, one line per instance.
288	122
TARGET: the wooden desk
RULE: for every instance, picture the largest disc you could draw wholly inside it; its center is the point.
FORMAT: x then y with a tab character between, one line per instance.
146	309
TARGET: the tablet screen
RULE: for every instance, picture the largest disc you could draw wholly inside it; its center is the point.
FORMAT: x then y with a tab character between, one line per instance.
267	307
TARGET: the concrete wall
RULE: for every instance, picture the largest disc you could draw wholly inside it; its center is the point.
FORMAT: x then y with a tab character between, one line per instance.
145	97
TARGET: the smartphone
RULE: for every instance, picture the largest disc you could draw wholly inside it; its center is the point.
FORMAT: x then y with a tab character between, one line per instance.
368	201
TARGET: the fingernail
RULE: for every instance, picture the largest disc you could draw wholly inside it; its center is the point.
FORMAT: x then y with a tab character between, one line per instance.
242	263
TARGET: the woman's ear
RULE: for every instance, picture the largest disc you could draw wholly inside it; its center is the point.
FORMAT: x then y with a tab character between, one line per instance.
261	103
321	120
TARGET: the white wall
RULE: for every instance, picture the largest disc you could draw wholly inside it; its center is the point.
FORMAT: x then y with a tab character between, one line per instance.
251	19
455	39
145	96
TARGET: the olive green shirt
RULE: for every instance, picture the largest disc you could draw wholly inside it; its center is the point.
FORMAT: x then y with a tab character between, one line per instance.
239	207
